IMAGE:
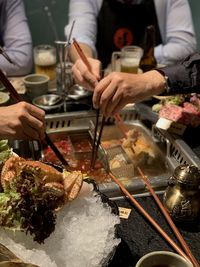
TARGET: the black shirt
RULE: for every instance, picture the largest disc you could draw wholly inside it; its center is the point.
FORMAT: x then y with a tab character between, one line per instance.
184	77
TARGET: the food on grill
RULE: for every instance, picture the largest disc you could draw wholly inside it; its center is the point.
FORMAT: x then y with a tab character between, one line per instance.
138	148
110	143
117	162
32	192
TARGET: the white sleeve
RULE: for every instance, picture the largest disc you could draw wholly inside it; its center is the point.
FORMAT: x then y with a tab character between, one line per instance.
17	40
177	31
84	13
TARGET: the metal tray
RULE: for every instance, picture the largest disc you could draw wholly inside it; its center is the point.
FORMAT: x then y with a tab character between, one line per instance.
175	151
84	121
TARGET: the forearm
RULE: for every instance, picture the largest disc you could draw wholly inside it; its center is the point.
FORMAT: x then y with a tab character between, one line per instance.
17	40
184	77
85	48
153	83
177	31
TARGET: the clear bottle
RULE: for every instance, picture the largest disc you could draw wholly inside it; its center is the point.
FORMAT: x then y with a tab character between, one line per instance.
148	61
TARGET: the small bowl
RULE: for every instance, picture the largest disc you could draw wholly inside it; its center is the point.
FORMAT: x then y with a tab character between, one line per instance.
4	98
77	92
45	102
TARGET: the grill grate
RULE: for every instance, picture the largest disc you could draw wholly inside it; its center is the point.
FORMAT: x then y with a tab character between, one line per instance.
177	151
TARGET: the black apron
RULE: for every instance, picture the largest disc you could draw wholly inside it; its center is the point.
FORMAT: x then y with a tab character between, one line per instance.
121	24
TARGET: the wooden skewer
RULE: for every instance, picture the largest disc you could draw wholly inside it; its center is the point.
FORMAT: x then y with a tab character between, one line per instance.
148	217
169	220
18	98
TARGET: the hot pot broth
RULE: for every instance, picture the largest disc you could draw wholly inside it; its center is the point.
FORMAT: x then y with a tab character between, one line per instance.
77	149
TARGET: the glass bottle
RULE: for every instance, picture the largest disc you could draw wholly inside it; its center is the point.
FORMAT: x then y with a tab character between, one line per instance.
148	61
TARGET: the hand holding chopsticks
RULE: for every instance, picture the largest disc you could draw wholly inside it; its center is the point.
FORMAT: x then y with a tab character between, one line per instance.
96	141
14	94
86	70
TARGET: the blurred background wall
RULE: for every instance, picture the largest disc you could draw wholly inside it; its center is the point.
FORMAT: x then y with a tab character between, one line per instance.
47	19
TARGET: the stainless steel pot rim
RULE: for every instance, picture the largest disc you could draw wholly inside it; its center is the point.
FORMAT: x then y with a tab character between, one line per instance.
77	92
40	101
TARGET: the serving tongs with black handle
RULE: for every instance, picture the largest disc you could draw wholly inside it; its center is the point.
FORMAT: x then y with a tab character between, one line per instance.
18	98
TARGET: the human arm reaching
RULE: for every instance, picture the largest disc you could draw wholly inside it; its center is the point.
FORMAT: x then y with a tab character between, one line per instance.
177	31
118	89
16	38
85	75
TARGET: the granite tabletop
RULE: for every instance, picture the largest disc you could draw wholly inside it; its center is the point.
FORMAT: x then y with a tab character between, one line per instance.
139	237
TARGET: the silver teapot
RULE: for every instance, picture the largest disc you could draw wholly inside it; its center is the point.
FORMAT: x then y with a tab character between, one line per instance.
182	196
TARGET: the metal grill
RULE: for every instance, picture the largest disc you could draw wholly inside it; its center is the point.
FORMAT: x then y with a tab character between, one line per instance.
177	151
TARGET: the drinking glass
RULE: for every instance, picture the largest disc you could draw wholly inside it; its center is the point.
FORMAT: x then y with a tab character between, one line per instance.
127	60
45	60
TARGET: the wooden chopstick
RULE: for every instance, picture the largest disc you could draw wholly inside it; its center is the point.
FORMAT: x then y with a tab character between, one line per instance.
148	217
81	54
95	143
121	125
98	142
95	136
8	85
14	94
169	220
137	205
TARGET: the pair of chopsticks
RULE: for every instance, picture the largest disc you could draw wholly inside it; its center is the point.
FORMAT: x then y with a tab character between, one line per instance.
151	220
120	124
14	94
137	205
96	140
178	235
169	220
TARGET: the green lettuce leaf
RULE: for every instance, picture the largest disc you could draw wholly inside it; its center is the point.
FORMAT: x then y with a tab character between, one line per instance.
5	151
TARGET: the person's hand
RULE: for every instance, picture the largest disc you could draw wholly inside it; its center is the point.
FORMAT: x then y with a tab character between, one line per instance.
85	77
118	89
22	121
